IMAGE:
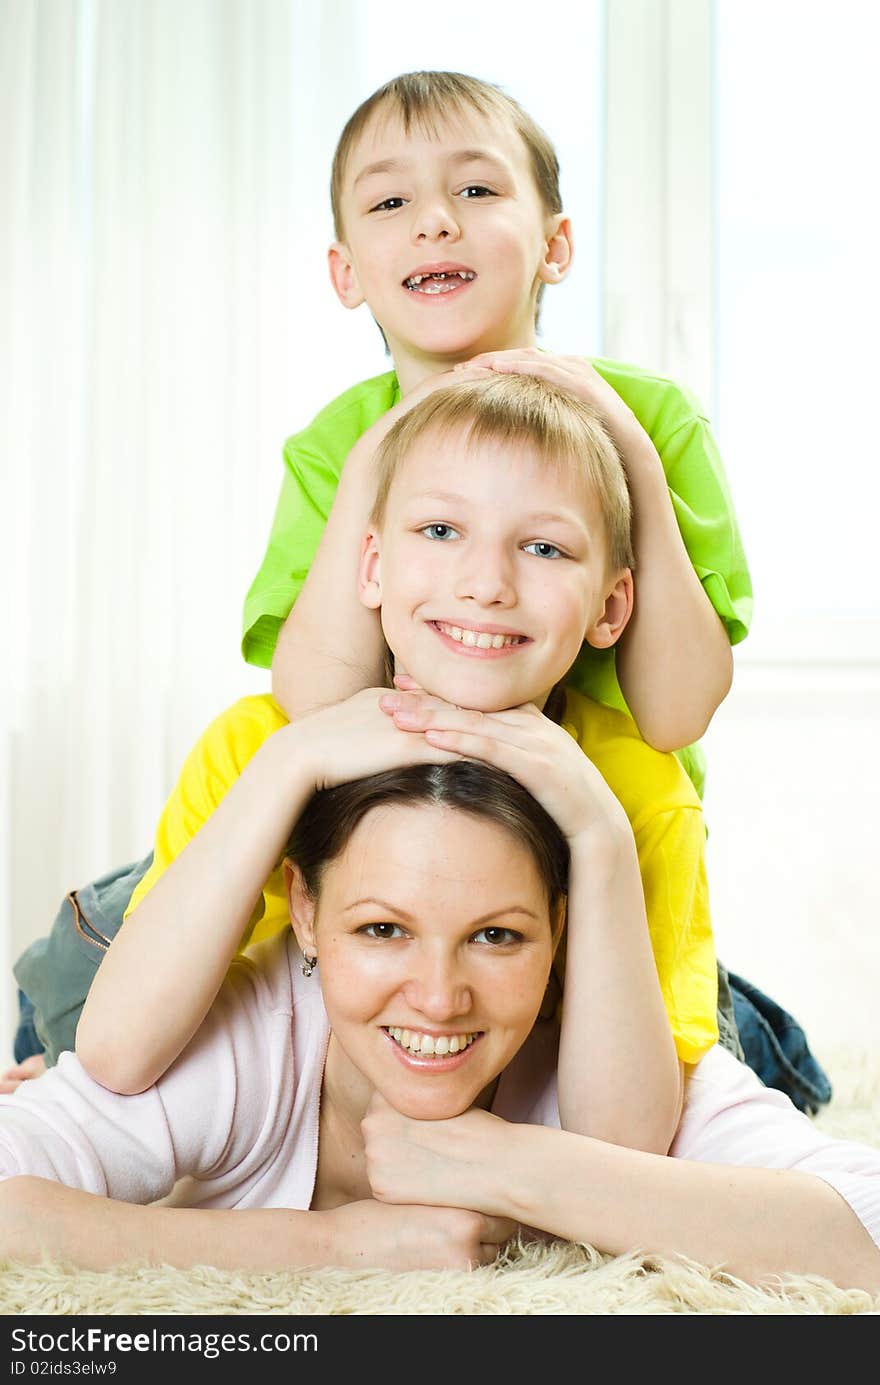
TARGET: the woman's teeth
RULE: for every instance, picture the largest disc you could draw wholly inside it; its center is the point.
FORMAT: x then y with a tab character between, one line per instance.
478	640
430	1045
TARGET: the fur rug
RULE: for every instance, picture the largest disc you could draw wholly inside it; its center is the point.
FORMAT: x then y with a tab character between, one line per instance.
528	1280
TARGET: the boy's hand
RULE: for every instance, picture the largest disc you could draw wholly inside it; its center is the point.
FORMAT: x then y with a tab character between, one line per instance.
528	746
576	376
370	440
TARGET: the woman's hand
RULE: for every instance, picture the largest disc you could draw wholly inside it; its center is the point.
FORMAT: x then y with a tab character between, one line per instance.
442	1163
528	746
414	1237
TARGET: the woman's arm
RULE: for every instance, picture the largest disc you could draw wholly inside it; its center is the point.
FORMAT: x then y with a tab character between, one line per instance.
168	960
40	1218
756	1223
619	1077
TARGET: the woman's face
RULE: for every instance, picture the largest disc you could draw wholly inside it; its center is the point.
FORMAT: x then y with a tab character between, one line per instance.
434	938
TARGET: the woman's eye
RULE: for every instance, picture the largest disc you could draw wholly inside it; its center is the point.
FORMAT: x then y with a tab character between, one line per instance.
382	930
497	937
388	204
439	531
543	550
476	190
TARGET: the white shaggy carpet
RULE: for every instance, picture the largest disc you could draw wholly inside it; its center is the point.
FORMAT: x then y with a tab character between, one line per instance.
527	1280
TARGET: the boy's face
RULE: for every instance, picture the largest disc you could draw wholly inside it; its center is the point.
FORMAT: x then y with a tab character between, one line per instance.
446	240
490	571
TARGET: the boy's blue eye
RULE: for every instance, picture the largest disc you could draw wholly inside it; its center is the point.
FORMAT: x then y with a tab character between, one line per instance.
476	190
497	937
543	550
440	531
388	204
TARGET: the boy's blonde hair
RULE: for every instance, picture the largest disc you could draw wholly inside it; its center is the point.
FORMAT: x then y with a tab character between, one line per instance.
525	411
427	100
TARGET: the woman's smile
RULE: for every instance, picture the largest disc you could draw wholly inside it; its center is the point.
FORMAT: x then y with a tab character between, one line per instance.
435	942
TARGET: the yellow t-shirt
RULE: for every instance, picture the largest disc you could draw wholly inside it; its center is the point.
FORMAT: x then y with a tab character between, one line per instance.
655	792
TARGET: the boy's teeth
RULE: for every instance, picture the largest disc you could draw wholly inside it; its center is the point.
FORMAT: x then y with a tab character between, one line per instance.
434	283
475	640
426	1045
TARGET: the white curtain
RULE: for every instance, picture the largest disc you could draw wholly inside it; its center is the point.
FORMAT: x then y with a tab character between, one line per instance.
165	324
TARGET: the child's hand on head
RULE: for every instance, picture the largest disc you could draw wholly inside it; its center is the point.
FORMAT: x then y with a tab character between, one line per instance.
527	745
574	374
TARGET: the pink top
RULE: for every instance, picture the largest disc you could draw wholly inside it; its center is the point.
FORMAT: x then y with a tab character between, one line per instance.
236	1115
234	1122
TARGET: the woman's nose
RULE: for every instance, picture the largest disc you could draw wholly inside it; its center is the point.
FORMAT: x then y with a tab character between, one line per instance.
438	990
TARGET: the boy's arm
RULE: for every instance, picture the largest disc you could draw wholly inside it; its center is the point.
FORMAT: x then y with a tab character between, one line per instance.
619	1077
674	661
331	645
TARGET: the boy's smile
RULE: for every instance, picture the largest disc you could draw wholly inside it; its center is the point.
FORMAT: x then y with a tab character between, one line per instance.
439	280
446	240
490	570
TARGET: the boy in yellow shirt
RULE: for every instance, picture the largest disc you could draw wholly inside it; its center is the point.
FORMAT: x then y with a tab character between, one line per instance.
499	542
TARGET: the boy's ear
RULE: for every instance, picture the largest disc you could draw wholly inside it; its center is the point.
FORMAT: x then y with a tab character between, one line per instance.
301	907
370	573
343	276
558	252
615	614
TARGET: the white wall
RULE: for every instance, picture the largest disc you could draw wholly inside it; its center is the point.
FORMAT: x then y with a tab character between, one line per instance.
792	811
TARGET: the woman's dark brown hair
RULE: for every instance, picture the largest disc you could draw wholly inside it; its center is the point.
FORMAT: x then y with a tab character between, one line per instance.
331	815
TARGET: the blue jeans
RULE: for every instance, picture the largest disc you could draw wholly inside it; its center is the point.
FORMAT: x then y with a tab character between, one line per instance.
775	1047
26	1042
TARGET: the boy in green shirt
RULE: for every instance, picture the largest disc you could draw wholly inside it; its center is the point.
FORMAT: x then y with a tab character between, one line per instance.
450	227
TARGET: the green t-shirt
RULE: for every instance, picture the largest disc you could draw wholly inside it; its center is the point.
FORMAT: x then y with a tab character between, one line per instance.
313	461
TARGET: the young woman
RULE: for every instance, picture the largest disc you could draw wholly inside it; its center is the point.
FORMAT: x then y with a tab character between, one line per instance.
380	1089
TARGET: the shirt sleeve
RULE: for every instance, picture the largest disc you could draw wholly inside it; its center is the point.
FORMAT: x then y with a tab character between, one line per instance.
671	851
202	1119
307	489
707	520
211	768
313	462
698	487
